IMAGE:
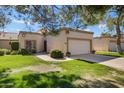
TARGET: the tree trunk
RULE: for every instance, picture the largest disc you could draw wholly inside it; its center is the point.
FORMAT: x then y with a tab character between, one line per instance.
118	31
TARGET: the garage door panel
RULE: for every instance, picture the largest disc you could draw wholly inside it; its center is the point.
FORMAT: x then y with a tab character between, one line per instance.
79	47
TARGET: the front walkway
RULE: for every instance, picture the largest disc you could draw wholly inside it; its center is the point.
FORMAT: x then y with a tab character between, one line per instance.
117	63
46	57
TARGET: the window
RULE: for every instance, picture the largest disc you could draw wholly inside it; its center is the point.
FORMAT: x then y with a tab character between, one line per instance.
30	44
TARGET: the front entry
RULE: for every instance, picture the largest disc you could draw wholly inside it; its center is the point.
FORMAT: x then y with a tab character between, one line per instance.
30	45
45	46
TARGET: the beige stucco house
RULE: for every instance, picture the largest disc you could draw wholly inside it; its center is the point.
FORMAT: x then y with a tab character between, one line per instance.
6	38
106	44
74	41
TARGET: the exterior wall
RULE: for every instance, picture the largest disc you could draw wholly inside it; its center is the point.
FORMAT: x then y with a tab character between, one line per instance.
31	36
55	42
60	41
100	44
8	35
113	45
106	44
6	43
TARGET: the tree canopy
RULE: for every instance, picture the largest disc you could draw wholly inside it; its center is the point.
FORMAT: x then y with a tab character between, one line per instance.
4	18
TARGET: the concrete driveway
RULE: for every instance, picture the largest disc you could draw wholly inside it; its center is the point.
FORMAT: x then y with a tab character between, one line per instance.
93	57
114	62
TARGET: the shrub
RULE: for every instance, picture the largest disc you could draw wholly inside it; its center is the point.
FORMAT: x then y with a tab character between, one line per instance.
15	45
6	51
1	52
57	54
33	51
93	51
14	53
24	52
68	54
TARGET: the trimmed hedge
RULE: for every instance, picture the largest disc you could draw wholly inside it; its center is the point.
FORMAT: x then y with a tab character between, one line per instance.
57	54
5	51
15	45
1	53
24	52
14	52
33	51
68	54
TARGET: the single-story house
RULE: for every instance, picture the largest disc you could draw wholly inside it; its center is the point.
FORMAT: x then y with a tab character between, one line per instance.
68	40
6	38
106	44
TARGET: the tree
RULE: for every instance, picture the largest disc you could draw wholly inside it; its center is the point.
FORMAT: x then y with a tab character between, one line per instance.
116	23
51	17
4	19
106	34
44	15
76	16
91	15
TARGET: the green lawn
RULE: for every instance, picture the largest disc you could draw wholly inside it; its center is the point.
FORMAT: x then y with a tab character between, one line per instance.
110	54
18	61
76	73
82	68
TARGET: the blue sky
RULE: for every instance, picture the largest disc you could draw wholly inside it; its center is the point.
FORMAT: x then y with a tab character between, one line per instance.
19	25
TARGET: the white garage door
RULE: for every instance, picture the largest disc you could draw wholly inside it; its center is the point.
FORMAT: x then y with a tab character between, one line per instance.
113	46
79	47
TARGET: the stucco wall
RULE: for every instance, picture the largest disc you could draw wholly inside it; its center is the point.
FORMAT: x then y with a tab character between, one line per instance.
105	44
60	41
100	44
31	36
113	45
6	43
53	42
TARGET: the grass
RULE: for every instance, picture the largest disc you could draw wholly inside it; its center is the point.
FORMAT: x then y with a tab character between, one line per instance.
18	61
83	68
76	73
110	54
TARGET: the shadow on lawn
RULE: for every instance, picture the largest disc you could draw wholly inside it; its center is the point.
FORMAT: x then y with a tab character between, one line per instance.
98	84
86	61
53	79
56	80
5	82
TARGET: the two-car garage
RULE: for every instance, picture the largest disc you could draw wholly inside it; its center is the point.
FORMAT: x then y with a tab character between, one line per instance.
79	46
70	40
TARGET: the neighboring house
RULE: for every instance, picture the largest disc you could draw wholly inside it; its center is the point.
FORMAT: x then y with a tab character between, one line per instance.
68	40
106	44
6	38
